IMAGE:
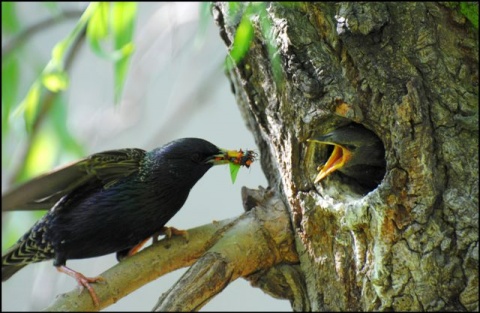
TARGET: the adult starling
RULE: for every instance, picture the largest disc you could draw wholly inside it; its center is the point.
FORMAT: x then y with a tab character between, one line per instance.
357	153
109	202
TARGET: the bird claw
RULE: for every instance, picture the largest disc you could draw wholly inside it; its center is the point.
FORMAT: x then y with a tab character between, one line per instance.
172	231
83	282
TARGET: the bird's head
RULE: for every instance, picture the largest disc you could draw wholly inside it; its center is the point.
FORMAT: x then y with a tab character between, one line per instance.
356	150
196	156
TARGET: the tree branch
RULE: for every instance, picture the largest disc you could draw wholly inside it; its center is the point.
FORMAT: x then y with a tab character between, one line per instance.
257	241
155	261
222	252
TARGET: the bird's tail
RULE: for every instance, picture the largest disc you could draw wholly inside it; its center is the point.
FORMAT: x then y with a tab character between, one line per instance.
11	265
9	270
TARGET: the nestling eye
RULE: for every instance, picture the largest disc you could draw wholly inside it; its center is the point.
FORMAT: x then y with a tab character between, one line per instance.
350	147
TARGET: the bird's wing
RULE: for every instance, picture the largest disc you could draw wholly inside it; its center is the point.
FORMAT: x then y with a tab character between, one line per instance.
42	192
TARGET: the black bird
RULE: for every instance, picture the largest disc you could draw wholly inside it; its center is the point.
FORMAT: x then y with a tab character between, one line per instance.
357	153
109	202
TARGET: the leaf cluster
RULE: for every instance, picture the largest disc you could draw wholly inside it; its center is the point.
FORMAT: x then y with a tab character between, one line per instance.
108	27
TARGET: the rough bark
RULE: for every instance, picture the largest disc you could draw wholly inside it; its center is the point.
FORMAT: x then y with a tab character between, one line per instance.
409	73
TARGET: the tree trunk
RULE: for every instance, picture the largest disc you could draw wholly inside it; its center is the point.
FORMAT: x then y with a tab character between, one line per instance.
409	73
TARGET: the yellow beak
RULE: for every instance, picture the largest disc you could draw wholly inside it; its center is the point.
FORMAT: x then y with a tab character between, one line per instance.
340	156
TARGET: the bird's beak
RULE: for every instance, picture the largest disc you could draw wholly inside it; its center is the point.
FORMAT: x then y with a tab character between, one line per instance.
233	156
221	157
339	157
224	157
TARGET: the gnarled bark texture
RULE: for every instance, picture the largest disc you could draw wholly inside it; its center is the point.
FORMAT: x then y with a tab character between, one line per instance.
409	73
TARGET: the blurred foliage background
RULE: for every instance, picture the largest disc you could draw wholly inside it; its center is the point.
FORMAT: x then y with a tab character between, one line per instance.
79	78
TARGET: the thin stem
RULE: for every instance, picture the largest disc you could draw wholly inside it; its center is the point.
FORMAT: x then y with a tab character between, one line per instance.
30	31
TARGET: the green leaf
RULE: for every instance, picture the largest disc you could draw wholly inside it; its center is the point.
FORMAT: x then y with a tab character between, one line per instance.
123	23
30	105
117	19
234	171
10	23
41	155
58	52
55	81
470	11
98	25
245	33
97	28
242	40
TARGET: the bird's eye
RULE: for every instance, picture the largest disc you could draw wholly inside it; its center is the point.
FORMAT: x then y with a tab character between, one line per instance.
350	147
196	157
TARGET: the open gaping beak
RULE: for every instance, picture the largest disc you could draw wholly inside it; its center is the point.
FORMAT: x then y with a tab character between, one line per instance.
357	153
339	157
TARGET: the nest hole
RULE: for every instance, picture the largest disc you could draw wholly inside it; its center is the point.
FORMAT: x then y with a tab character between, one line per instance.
363	164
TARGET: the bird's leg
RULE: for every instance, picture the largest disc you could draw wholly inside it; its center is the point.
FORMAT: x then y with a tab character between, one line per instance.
171	231
167	231
82	281
136	248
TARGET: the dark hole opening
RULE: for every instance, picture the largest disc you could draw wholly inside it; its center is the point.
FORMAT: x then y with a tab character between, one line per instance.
364	166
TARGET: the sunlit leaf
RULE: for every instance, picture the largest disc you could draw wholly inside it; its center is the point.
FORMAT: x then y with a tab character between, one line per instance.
30	105
234	171
59	50
242	40
97	28
245	32
98	25
123	22
55	81
41	155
